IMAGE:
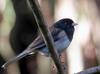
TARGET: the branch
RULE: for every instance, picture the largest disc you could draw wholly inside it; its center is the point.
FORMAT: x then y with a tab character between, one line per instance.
45	33
93	70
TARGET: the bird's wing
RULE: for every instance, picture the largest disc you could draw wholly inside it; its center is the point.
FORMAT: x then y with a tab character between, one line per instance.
55	32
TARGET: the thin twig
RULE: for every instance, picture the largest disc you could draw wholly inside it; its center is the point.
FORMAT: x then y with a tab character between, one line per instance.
34	5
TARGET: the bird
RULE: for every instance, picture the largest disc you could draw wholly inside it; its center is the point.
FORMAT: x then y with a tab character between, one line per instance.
62	32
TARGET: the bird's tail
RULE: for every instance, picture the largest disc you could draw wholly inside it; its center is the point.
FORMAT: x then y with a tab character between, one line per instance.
28	51
18	57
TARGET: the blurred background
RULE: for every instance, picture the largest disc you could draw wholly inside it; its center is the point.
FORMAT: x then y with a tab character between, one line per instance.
16	32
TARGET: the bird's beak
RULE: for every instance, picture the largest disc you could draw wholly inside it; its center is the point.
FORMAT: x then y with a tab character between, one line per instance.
74	24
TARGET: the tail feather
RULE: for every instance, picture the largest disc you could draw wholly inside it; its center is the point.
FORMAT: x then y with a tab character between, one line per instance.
28	51
18	57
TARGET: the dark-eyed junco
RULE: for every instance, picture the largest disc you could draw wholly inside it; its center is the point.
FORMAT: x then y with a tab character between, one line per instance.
62	32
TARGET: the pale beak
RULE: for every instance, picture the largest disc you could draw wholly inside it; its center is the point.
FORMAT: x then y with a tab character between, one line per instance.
74	24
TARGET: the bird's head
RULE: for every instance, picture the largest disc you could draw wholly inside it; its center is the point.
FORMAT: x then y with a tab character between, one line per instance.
67	25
